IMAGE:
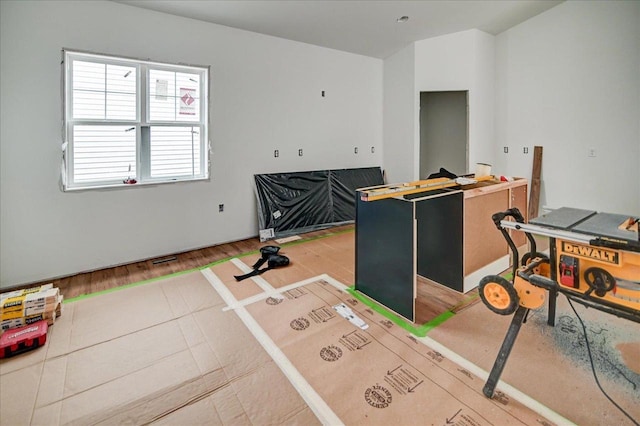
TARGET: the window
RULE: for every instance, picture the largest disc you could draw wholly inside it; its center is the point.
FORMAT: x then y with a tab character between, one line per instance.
133	122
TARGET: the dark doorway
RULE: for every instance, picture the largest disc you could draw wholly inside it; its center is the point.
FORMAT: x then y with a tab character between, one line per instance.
443	132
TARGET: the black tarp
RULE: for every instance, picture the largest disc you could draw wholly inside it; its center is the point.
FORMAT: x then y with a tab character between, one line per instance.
297	202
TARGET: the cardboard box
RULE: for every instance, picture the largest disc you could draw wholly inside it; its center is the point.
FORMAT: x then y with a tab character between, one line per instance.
25	291
49	314
30	303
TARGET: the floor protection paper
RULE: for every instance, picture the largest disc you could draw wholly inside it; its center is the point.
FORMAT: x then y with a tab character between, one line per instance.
551	364
377	374
159	353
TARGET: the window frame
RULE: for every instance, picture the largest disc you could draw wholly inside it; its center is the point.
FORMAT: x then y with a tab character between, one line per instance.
142	120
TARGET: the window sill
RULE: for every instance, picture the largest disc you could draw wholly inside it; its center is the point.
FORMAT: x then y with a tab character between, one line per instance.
117	186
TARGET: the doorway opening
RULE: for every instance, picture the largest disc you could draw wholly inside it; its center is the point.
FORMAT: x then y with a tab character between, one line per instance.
444	132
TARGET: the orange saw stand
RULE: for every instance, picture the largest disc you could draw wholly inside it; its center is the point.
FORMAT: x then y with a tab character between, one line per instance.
594	260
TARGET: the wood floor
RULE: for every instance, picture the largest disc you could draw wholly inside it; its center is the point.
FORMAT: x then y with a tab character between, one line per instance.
104	279
432	299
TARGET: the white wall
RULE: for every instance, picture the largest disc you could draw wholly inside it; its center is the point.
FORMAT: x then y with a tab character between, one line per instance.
482	136
460	61
265	95
569	80
400	150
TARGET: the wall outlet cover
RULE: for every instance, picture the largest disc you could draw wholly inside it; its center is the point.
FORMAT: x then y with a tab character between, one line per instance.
266	234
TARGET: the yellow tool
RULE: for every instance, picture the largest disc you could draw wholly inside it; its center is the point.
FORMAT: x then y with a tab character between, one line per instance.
597	270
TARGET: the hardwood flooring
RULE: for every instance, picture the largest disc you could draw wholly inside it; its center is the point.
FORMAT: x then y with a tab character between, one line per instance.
104	279
432	299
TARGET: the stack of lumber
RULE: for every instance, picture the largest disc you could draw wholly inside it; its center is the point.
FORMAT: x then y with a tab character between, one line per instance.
23	307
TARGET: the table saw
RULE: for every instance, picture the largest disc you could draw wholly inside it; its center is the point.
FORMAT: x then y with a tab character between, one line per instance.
594	259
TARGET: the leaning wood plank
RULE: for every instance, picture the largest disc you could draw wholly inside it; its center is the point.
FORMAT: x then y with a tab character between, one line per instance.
534	196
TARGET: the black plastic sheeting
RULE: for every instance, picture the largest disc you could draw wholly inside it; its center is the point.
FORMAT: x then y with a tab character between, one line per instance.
298	202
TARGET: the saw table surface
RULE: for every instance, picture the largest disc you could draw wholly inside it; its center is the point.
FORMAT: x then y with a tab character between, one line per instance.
606	225
564	218
586	222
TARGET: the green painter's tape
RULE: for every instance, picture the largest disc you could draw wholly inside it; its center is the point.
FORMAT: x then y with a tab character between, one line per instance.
332	234
437	321
217	262
150	280
419	331
122	287
209	265
302	241
465	301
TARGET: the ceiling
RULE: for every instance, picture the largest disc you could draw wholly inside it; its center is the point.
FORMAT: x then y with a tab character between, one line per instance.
363	27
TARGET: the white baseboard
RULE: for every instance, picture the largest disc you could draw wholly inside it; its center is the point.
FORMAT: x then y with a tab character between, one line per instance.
472	280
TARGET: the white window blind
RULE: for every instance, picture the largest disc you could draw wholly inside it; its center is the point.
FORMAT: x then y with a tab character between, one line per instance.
103	153
175	151
133	122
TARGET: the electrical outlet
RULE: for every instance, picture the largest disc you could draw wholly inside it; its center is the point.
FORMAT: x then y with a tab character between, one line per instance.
300	152
525	150
355	150
591	152
373	149
323	93
506	149
276	153
220	208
